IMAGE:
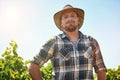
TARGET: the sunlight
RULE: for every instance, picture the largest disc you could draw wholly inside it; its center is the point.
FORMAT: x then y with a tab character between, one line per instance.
11	13
10	19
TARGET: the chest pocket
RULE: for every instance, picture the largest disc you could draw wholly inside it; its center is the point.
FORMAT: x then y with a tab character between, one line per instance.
63	57
86	58
88	53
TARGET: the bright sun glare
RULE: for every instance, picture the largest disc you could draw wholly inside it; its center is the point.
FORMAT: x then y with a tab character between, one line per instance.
10	19
11	13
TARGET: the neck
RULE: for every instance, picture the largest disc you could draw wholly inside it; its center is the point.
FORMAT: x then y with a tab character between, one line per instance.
73	36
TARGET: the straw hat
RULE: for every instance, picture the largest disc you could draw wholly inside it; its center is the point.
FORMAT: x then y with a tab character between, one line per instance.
57	16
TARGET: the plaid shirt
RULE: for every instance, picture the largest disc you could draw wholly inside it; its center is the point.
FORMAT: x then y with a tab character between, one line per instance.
72	60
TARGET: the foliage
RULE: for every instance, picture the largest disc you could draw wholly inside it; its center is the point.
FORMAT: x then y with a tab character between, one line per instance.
113	74
46	72
13	67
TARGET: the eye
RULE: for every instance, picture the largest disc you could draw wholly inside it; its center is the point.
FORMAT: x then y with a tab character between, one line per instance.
65	17
73	16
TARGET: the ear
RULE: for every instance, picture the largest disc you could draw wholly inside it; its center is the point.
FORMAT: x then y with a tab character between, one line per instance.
78	20
61	25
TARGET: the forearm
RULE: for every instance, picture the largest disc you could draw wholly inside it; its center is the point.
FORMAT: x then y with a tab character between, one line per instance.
101	75
35	72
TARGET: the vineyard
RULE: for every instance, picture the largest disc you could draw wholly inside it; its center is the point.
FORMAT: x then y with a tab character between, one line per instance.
13	67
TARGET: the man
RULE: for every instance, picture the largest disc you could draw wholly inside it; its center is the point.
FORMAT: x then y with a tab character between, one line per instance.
73	54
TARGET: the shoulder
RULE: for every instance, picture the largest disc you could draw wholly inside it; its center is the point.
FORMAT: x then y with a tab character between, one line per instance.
84	36
50	42
90	39
54	38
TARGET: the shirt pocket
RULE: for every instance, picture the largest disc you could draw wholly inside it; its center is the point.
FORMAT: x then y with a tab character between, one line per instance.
65	51
88	53
61	57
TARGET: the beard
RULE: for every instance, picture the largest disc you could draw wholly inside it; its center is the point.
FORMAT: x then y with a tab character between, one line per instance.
71	28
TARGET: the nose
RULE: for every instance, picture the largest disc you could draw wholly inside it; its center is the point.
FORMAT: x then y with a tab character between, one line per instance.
70	21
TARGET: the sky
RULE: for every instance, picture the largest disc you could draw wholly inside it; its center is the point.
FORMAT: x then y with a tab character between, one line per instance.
30	24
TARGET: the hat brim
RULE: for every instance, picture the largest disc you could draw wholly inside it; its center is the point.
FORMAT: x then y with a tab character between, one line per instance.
57	17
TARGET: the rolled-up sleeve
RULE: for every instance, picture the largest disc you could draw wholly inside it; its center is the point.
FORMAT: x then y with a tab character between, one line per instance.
98	59
45	53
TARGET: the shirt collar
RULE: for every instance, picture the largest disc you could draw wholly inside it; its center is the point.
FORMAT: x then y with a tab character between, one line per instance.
65	36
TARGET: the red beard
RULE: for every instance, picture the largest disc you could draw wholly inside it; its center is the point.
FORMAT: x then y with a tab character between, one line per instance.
71	27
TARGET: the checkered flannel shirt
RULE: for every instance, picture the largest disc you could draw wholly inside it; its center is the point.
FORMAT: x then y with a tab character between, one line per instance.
71	61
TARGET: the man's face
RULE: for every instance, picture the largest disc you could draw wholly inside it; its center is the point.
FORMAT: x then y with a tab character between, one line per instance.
69	21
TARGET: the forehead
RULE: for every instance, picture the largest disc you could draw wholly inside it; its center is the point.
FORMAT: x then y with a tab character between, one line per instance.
68	12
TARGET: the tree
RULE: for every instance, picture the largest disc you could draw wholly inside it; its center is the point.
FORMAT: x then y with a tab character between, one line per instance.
13	67
46	71
113	74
